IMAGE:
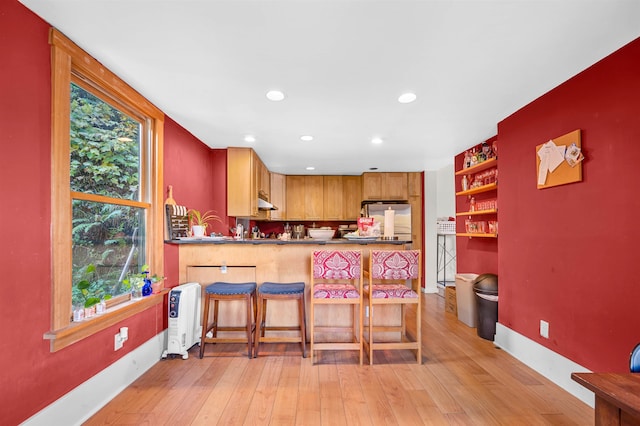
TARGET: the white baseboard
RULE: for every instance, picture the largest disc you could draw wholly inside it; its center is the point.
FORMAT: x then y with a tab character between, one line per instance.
85	400
551	365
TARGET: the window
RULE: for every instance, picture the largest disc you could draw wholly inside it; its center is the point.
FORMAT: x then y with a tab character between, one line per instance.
107	216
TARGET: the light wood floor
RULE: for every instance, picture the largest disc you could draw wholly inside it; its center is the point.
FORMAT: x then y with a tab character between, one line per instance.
464	380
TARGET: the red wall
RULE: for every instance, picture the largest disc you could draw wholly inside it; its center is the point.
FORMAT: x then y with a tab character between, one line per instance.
33	377
198	175
568	254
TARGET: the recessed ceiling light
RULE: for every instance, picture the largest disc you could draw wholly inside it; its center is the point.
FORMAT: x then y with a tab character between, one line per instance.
376	141
310	168
250	138
407	98
306	138
275	95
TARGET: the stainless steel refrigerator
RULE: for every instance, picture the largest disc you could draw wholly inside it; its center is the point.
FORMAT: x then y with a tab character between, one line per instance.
402	216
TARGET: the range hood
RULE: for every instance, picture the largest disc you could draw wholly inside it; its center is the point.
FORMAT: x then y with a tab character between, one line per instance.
265	205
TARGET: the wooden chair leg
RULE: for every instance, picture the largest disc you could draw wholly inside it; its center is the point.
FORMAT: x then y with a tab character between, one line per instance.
215	318
259	325
303	331
249	325
205	325
370	334
311	331
418	333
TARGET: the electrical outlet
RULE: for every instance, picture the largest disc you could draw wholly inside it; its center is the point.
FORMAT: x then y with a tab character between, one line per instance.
118	341
366	311
544	329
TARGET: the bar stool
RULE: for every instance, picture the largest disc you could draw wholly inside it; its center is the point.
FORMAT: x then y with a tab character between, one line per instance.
336	280
391	273
221	291
280	291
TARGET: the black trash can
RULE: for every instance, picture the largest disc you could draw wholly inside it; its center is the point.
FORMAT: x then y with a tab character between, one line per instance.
485	287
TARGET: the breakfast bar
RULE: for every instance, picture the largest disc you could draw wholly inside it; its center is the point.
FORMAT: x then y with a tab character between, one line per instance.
270	260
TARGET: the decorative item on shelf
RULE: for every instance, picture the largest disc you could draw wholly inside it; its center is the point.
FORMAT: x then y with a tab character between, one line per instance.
89	295
146	288
467	160
474	157
142	284
465	183
199	221
472	204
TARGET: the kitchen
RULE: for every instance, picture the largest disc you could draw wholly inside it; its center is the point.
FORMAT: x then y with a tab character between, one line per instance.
311	201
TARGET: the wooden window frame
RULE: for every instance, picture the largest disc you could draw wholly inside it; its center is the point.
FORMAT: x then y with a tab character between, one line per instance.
68	61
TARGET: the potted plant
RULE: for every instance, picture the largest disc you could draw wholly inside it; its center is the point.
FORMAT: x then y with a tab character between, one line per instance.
199	221
141	284
90	294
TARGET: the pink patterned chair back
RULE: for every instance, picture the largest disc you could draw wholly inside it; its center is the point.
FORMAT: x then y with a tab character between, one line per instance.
337	265
395	265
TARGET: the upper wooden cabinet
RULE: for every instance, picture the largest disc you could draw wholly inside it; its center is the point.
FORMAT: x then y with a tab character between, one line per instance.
278	196
351	197
305	197
246	176
414	183
333	198
314	197
263	177
385	186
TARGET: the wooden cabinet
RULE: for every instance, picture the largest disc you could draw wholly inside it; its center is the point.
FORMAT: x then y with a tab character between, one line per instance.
329	197
313	197
295	197
414	183
333	198
385	186
278	196
417	207
263	177
351	197
242	183
372	186
305	197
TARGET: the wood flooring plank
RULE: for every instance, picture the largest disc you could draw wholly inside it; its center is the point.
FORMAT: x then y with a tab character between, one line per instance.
261	406
374	395
331	405
213	370
286	397
399	399
245	388
353	400
308	406
215	404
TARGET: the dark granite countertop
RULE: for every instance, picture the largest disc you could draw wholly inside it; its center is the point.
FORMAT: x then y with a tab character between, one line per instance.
261	241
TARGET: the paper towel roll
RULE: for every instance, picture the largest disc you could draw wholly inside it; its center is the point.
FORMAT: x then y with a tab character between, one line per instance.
389	219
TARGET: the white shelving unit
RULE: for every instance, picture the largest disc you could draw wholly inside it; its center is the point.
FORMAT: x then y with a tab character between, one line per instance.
446	255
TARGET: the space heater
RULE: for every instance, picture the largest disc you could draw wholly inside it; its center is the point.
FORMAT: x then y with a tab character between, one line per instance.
184	319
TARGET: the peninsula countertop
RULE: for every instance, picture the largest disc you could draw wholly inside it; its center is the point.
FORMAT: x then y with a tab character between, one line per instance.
275	241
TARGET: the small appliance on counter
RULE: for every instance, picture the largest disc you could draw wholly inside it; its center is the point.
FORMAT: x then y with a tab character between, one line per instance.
298	232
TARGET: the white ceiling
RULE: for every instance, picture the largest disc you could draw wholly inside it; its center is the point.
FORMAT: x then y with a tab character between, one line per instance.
342	65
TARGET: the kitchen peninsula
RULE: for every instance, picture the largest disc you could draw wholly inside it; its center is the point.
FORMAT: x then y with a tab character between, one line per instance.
268	260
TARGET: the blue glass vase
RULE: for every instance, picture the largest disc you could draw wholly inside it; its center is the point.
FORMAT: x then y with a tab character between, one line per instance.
146	288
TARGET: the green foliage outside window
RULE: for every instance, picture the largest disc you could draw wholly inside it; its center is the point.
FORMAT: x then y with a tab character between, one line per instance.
104	160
